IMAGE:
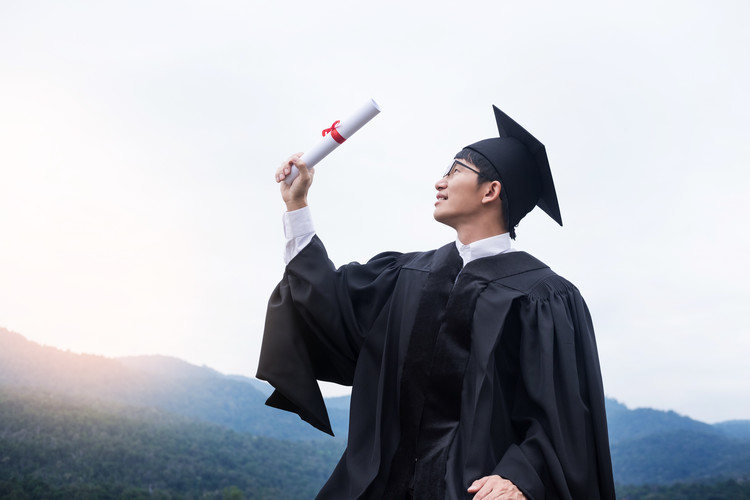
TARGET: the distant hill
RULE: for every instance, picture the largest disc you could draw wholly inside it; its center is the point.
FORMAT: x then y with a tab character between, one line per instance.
680	455
157	381
61	446
735	428
648	446
627	425
653	446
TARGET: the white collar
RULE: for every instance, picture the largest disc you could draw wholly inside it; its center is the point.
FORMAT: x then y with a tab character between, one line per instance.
484	248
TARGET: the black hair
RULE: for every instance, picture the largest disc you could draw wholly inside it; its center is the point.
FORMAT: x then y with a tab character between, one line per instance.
487	173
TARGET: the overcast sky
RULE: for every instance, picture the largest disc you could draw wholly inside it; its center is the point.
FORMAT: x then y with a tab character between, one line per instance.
138	141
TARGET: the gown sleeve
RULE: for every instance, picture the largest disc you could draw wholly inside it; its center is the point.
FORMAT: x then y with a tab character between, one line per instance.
558	408
316	321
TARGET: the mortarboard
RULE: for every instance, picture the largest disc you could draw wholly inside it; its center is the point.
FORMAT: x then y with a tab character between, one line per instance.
521	162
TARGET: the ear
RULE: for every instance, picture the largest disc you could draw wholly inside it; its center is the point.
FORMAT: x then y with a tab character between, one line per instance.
491	192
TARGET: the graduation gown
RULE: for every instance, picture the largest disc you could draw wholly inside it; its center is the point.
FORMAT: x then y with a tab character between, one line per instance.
456	373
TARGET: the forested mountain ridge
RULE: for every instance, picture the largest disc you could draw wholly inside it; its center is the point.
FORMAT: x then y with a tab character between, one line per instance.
648	446
652	446
56	445
156	381
62	446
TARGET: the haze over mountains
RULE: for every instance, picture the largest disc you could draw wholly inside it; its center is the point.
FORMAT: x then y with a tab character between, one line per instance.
648	446
155	381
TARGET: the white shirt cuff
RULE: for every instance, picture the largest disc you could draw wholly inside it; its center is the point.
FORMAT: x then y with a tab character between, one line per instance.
298	231
298	223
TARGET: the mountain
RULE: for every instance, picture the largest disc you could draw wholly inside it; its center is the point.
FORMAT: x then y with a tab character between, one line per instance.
648	446
652	446
735	428
156	381
627	425
61	446
680	455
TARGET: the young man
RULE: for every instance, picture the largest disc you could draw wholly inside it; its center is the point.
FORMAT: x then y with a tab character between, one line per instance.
473	367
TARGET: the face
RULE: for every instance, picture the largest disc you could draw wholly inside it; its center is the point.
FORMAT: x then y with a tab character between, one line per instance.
459	195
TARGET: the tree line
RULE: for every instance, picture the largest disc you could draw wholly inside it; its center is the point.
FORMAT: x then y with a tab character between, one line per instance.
56	447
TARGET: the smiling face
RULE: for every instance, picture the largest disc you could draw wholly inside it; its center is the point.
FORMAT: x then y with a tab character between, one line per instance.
459	195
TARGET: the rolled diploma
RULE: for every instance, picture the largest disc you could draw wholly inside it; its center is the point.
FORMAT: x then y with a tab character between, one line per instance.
346	129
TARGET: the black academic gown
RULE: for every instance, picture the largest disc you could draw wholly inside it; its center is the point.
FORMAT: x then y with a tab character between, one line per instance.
432	408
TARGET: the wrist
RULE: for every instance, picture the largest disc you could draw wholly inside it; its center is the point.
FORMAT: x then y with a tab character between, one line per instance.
293	205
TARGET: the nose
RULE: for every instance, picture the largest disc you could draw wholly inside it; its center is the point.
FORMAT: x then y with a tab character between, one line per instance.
441	183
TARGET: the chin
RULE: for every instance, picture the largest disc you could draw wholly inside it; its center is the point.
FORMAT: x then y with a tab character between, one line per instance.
436	215
441	218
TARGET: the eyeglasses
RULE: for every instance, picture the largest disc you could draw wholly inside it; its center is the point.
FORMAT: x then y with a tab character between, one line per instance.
455	163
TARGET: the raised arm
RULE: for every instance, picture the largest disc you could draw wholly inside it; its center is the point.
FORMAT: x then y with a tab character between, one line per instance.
318	316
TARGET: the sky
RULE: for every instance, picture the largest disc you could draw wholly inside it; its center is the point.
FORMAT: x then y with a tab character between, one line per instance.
138	142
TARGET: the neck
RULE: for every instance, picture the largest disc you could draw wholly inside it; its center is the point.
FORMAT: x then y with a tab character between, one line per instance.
469	233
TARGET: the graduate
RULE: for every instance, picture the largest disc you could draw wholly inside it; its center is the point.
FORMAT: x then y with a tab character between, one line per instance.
473	367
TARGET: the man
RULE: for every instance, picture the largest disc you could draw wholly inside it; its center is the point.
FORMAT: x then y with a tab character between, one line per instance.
473	367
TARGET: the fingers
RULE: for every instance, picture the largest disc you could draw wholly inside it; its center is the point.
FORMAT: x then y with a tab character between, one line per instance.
305	174
495	488
477	485
286	168
294	190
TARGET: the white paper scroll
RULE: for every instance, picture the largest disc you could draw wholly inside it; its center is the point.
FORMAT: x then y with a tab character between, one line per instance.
338	133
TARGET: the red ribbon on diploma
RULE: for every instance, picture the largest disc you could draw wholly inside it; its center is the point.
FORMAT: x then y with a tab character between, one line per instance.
335	133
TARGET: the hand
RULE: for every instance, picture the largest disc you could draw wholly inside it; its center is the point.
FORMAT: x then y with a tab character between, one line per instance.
295	194
495	488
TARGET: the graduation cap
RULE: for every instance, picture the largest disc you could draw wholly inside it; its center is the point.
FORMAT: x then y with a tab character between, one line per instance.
521	163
